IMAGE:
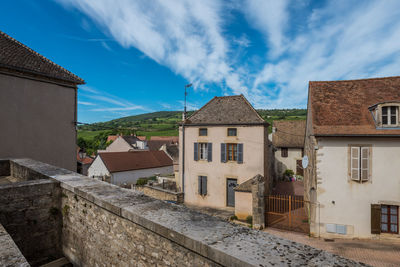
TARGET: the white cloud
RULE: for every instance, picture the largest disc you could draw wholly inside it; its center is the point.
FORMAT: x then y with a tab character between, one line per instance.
86	103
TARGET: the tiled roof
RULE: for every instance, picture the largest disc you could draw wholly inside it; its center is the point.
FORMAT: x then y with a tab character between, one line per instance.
246	186
289	133
173	139
155	145
18	57
234	110
135	160
341	107
130	139
112	138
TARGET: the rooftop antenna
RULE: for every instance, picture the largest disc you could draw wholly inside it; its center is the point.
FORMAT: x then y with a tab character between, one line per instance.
183	141
184	110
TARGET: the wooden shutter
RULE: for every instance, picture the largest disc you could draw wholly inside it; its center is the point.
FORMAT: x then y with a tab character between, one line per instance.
209	152
355	163
223	152
364	163
196	151
375	219
204	185
199	185
240	153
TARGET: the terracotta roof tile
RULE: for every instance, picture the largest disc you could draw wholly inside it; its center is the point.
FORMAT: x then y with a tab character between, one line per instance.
18	57
289	133
234	110
135	160
341	107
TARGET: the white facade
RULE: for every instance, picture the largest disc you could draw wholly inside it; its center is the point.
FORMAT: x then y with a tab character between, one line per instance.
346	203
120	145
98	170
289	162
255	142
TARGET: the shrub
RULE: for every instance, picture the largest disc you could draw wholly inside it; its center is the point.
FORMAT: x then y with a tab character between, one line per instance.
234	217
141	181
289	173
249	219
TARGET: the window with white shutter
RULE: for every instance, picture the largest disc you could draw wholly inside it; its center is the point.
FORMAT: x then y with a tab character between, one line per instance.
360	163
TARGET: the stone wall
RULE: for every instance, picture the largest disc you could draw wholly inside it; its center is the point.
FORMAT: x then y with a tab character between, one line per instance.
10	255
106	225
30	213
160	193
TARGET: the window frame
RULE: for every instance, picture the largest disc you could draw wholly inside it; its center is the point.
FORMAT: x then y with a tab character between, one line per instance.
361	160
388	216
286	153
229	129
234	151
206	130
389	115
203	151
200	186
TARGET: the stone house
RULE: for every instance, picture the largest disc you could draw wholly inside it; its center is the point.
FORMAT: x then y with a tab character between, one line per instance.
353	145
38	103
127	167
123	143
83	161
288	143
223	144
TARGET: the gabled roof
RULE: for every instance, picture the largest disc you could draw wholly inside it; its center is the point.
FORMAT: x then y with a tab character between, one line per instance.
340	108
154	145
289	133
226	110
18	57
173	139
246	186
112	138
134	160
130	139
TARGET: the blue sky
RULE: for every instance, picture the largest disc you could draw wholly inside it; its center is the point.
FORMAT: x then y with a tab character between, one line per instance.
136	56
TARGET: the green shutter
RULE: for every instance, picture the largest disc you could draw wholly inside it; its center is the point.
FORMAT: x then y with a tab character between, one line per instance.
240	153
204	185
223	152
196	151
209	152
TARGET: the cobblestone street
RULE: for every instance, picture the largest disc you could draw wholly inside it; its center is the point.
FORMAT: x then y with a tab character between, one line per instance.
379	253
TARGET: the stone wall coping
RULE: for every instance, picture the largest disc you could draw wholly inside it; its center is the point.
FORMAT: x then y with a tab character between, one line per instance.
28	183
10	255
163	190
220	241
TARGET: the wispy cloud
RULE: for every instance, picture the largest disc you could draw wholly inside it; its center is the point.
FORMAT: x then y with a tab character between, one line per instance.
119	109
86	103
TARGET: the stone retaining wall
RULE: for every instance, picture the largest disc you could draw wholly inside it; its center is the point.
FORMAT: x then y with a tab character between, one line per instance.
30	213
160	193
10	255
107	225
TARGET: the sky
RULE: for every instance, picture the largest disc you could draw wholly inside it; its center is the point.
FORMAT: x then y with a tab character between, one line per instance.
136	56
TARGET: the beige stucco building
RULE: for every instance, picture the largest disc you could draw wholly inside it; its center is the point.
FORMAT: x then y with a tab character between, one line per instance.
353	145
288	142
223	144
38	103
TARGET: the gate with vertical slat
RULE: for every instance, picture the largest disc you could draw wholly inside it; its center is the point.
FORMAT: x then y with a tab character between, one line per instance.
287	212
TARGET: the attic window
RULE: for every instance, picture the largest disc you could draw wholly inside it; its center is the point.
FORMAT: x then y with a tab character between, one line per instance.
390	116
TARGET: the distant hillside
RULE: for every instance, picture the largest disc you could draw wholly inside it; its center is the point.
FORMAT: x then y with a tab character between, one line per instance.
161	123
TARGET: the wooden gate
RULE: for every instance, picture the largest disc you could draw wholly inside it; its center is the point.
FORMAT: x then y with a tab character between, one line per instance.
287	212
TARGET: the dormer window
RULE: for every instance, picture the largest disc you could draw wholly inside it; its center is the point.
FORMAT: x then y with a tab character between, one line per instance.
390	115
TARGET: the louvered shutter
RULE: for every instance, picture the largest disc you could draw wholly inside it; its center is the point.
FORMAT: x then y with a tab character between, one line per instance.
196	151
355	163
209	152
375	219
204	185
364	163
223	152
240	153
199	185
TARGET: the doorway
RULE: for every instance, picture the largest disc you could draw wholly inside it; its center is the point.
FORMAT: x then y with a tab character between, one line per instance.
230	193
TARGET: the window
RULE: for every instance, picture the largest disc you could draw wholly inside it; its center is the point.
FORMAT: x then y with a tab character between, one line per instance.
202	183
203	151
359	163
284	152
389	115
232	132
203	132
389	219
232	152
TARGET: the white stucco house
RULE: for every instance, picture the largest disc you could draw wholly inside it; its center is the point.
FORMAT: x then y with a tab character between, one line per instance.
288	142
353	145
223	144
127	167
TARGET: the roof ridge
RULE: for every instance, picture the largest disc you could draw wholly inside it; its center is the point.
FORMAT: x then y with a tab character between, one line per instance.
251	106
41	56
362	79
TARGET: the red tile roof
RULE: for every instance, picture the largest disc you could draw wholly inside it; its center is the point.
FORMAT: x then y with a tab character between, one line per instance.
135	160
341	107
174	139
289	133
112	138
18	57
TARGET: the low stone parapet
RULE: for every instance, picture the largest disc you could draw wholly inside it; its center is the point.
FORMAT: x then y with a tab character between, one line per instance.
160	193
10	255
